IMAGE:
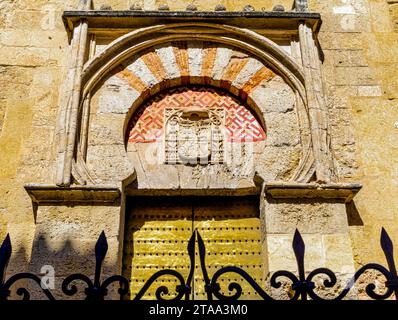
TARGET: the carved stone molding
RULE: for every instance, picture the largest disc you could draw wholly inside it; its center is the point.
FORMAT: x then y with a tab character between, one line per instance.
337	191
119	20
52	194
316	104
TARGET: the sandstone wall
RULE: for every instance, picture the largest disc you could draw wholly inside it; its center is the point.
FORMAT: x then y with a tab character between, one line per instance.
359	42
32	60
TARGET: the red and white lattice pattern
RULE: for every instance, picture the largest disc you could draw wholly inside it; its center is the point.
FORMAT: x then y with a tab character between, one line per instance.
147	124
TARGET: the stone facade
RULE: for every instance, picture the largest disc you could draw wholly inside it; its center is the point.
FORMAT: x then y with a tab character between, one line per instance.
321	94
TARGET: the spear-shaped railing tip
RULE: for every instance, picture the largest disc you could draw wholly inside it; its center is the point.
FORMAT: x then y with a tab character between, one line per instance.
202	257
101	247
191	253
5	255
201	245
299	251
298	245
191	244
388	249
385	241
6	248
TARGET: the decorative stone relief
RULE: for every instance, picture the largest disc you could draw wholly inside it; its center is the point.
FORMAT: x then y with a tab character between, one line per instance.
194	135
147	124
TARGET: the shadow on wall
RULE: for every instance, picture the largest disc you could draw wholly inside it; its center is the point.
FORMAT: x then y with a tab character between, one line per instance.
52	262
353	215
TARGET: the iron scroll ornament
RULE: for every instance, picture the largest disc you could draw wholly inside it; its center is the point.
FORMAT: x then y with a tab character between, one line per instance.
301	284
96	290
5	285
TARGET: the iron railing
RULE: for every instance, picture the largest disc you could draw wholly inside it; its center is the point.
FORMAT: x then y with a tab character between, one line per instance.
301	284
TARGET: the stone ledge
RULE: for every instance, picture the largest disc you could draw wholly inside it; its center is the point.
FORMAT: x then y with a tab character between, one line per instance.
210	192
128	18
191	14
290	190
49	194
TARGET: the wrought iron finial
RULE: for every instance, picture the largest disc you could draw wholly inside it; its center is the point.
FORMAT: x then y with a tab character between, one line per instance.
388	249
191	253
302	286
299	252
5	285
5	255
101	248
202	256
390	275
96	290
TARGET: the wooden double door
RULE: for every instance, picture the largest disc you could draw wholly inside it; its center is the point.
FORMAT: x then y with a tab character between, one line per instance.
157	234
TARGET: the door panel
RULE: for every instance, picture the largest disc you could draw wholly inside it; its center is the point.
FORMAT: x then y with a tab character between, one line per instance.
156	238
158	230
230	229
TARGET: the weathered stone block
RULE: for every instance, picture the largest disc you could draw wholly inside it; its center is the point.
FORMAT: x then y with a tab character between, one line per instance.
281	254
338	253
355	76
30	57
70	256
106	129
78	222
307	215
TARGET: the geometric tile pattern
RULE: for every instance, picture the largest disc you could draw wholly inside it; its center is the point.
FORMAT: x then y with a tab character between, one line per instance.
147	125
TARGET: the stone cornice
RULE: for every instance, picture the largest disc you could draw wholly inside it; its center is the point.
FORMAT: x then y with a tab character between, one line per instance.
132	19
52	194
208	192
334	191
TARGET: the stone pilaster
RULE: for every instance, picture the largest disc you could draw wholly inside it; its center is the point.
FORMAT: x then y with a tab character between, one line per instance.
70	100
316	103
318	212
